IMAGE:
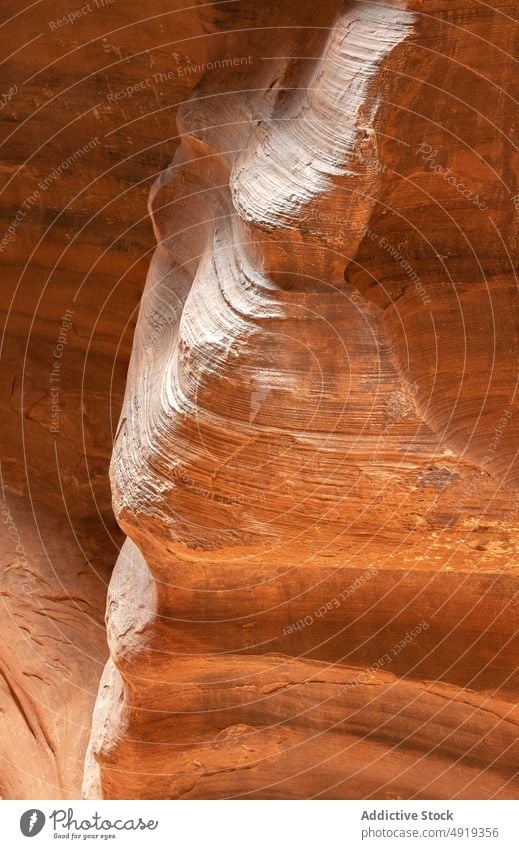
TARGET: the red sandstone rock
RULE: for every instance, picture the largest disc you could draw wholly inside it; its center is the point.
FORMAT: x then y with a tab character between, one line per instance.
316	459
82	246
311	603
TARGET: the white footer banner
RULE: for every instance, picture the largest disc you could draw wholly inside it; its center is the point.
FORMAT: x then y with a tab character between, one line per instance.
261	824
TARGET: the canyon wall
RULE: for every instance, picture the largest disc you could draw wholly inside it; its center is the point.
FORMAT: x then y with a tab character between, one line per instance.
314	464
314	471
83	137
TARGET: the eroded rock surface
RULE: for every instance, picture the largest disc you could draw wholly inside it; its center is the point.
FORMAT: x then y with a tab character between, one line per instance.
314	464
77	163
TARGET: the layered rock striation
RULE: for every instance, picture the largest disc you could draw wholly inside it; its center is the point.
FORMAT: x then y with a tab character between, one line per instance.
314	464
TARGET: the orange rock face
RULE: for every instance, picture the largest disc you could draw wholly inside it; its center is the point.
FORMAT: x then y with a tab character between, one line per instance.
315	463
77	164
317	593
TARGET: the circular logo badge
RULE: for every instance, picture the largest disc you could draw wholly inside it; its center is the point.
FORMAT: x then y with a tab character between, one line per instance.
32	822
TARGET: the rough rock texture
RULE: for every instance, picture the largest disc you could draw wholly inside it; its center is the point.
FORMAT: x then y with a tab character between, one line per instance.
73	271
314	465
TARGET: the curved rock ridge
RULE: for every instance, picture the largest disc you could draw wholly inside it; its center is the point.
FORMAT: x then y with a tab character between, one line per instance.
317	594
